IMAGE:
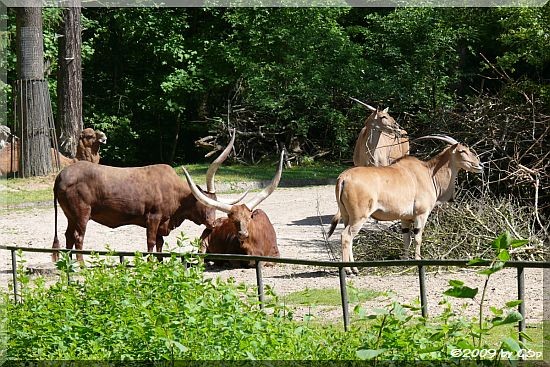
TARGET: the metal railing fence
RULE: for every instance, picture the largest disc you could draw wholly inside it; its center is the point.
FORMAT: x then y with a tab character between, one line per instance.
420	264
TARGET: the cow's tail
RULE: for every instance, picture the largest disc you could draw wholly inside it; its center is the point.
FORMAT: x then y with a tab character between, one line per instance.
55	255
337	216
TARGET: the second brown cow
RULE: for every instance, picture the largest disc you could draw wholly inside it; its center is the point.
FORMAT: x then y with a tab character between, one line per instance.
245	230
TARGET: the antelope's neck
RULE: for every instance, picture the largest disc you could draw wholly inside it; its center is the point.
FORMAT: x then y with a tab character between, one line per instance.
444	178
372	143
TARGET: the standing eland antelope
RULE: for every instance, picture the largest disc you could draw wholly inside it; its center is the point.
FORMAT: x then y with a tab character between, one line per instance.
407	190
381	141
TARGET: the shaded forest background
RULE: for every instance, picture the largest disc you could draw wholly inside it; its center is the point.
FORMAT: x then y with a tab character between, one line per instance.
157	79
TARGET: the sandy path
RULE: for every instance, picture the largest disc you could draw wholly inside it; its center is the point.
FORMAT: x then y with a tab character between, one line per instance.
296	215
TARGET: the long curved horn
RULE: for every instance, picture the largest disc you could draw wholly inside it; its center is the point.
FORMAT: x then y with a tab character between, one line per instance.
444	138
234	201
363	104
256	200
210	186
203	198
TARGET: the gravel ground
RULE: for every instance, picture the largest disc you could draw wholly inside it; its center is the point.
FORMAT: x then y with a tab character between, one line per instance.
296	214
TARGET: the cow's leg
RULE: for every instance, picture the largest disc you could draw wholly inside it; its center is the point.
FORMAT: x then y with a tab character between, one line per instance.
348	234
70	235
153	222
406	230
204	240
80	231
419	223
159	244
69	239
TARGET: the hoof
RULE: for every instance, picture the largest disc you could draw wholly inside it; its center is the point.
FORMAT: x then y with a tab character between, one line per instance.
351	272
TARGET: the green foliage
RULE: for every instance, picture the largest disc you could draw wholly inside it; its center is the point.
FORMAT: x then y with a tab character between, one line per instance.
525	37
166	311
401	336
157	311
159	78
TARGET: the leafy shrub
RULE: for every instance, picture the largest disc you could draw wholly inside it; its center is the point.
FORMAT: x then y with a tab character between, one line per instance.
166	311
400	336
157	311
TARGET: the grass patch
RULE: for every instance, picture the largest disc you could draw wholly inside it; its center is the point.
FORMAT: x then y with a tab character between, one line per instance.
330	296
265	171
13	198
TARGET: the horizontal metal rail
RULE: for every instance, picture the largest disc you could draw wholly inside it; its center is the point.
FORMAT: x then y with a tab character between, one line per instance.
340	265
282	260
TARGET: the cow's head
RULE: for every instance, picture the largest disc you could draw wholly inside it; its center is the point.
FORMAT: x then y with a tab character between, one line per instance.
240	215
199	212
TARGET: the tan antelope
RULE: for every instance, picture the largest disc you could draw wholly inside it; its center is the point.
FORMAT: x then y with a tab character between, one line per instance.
407	190
381	141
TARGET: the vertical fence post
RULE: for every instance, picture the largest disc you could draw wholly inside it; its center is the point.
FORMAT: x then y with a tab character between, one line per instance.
344	295
423	297
521	297
14	274
260	283
121	258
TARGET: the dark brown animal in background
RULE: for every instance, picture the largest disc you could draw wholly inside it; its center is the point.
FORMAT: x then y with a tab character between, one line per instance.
87	150
245	231
89	144
154	197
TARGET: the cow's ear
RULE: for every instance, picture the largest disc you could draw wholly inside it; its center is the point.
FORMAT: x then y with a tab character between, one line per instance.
385	110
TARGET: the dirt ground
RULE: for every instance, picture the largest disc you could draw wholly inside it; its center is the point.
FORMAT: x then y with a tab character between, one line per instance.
296	214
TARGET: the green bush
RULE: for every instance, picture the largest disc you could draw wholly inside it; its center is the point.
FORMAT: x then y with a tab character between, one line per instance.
155	311
166	311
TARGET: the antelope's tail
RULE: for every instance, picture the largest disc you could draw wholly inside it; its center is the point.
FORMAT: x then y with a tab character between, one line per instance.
337	216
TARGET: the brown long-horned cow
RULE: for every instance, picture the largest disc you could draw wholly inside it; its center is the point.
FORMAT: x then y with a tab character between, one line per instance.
153	197
408	190
245	230
381	141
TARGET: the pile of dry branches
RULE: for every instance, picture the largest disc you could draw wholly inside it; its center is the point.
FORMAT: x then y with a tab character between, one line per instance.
463	229
511	137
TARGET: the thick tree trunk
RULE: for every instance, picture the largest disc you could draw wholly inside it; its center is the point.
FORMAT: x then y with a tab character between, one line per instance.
69	81
35	157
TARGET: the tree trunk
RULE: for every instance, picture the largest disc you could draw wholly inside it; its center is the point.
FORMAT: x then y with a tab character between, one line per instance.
35	157
69	80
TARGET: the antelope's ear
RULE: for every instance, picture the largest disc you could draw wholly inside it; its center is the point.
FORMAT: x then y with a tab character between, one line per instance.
385	110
